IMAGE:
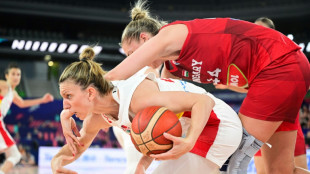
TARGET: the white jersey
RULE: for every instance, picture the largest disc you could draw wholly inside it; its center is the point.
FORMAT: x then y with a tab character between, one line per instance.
219	139
6	102
132	154
125	88
6	139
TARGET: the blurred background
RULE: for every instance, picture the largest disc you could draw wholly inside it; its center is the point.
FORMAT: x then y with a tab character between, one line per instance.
44	36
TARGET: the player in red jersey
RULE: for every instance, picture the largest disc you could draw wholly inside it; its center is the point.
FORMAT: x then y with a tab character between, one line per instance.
236	53
300	146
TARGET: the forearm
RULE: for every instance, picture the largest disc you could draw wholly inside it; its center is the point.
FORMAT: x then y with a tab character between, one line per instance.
146	161
30	102
140	58
143	164
65	152
199	117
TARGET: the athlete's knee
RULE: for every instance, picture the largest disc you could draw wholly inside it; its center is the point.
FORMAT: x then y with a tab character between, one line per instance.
13	155
241	158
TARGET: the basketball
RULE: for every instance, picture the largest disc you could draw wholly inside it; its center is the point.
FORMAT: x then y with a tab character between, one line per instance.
148	127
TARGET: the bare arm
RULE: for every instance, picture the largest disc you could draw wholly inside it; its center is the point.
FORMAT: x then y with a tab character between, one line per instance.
167	42
3	87
143	164
30	102
91	126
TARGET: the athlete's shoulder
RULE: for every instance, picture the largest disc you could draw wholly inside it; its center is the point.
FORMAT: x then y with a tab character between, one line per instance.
3	85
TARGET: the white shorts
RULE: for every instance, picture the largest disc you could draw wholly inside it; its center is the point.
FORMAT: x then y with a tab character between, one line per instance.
188	163
221	136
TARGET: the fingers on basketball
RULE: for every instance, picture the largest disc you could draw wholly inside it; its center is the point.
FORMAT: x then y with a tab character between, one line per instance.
148	127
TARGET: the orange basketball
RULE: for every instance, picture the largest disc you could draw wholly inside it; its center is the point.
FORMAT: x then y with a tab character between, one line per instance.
148	127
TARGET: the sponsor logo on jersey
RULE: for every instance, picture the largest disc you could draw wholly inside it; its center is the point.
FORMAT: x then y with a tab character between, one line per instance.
235	77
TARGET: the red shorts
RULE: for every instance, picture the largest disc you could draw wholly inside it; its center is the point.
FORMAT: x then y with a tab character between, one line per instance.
300	146
277	92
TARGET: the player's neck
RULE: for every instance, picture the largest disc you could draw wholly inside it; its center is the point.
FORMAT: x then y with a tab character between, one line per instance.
106	105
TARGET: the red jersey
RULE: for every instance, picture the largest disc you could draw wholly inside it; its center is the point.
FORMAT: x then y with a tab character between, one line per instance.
227	51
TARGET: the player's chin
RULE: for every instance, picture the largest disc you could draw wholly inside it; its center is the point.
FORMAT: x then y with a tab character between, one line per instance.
80	116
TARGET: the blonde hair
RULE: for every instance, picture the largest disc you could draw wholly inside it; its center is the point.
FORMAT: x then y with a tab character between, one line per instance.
87	72
266	21
141	21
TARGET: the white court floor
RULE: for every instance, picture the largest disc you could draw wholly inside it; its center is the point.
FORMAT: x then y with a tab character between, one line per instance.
36	170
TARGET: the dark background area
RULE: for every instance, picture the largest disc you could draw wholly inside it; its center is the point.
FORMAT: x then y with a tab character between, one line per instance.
101	22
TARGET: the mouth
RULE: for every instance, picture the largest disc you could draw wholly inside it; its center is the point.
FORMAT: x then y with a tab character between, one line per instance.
78	116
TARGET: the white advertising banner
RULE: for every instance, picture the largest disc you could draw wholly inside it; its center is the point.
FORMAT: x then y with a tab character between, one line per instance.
93	160
101	160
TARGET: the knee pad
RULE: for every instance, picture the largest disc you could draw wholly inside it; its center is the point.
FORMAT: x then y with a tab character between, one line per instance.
13	155
240	159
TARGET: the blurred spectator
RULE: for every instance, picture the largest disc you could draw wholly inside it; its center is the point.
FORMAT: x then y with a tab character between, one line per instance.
27	158
305	121
304	116
59	139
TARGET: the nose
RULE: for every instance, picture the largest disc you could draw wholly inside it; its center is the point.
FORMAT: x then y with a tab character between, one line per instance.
66	104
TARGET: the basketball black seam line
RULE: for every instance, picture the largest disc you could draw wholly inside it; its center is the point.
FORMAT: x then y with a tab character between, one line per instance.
138	129
162	133
143	131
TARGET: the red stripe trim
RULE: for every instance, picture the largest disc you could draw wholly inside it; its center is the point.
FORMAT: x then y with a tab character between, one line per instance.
169	63
8	141
207	136
1	98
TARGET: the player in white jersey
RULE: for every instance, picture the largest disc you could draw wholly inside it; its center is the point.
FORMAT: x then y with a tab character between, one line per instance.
8	95
132	155
212	133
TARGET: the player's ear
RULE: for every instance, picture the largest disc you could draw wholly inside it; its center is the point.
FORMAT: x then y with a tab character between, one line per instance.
92	92
144	36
